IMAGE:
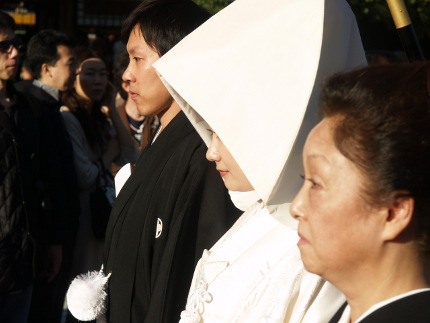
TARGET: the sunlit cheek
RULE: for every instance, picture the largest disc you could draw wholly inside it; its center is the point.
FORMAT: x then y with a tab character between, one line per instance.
83	88
329	240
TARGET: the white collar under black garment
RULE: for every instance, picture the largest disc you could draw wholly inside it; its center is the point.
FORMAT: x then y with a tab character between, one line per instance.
157	133
346	316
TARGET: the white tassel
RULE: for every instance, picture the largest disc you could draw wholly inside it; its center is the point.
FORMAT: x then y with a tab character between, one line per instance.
86	297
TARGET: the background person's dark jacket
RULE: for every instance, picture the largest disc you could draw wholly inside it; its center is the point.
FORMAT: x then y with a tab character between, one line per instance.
19	194
61	202
61	205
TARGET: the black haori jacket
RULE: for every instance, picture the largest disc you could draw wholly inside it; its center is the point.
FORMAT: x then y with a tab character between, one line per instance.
173	206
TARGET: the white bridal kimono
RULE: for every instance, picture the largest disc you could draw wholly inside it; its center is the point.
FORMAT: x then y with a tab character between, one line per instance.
258	262
253	73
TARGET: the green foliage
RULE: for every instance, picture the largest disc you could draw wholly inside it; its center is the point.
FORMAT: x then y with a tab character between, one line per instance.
377	11
213	6
377	27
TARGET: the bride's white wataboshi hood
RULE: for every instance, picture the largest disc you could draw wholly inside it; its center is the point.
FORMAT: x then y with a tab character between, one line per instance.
253	73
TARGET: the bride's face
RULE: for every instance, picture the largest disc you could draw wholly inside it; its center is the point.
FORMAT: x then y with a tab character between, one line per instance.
232	174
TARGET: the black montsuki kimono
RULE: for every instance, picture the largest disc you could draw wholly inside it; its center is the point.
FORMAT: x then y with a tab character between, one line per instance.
413	308
172	207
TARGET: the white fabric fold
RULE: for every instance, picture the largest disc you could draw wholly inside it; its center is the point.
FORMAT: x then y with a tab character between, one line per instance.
243	200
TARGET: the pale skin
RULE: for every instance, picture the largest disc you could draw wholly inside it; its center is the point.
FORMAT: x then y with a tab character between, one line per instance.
368	252
146	88
226	165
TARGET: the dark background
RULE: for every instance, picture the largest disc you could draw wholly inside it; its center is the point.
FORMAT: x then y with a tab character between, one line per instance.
104	17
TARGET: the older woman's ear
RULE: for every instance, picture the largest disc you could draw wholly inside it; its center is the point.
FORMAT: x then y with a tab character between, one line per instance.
399	216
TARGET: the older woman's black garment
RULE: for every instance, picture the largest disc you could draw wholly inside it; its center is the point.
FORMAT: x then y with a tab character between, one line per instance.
175	194
414	308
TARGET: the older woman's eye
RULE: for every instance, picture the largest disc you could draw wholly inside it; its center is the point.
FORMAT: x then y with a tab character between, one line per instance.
310	179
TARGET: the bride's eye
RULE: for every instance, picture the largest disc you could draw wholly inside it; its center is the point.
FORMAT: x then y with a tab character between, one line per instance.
212	133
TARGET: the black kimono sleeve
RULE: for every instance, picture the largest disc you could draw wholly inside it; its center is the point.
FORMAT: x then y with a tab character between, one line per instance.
204	213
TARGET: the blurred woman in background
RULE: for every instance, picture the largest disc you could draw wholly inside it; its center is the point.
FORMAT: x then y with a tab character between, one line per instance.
98	138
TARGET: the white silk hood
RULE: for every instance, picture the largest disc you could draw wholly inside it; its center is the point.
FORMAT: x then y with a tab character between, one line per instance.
253	73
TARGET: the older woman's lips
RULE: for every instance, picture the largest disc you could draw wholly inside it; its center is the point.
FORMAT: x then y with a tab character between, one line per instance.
302	241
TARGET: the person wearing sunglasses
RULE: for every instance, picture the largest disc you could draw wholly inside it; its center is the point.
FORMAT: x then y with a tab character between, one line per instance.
7	44
19	212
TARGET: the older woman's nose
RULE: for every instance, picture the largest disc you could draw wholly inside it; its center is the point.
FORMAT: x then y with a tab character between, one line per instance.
296	207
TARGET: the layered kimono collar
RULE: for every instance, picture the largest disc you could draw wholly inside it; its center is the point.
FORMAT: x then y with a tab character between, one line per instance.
253	73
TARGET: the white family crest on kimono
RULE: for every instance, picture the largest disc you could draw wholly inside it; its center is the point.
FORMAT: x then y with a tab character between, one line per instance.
260	98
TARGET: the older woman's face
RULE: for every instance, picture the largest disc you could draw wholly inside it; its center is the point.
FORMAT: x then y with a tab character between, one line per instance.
92	79
338	230
226	165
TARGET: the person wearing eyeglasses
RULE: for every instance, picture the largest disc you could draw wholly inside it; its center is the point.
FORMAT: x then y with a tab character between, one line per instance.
19	212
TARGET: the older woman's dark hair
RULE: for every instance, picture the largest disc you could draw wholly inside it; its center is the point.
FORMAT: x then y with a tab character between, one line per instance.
164	23
384	129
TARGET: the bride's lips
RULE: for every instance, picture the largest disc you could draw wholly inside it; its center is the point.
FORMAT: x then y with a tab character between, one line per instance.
222	172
